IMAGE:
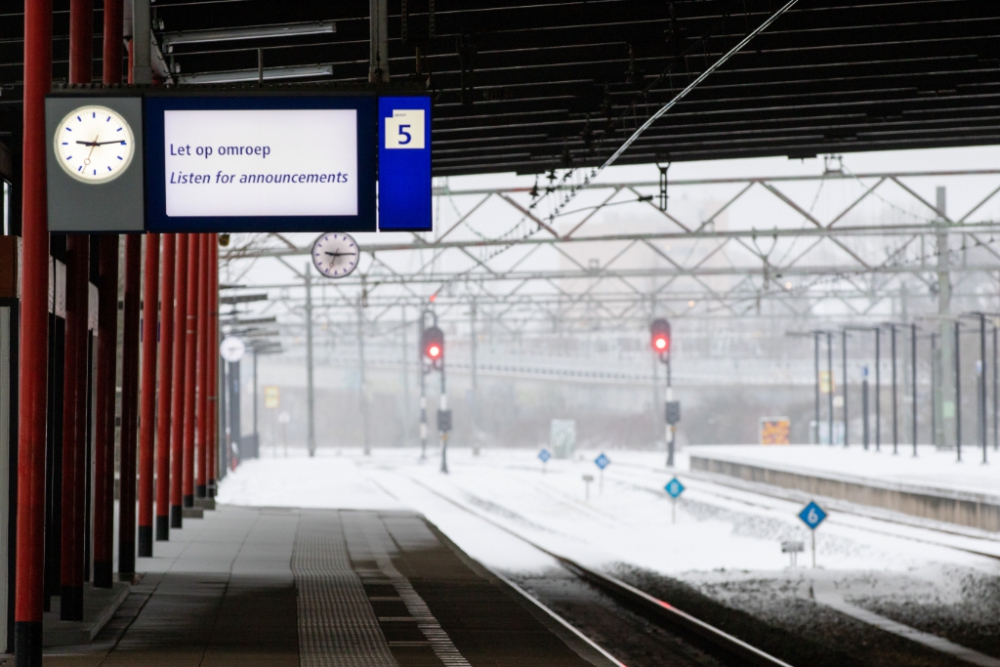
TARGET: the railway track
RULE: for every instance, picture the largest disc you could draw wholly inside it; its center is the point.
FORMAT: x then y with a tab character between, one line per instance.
968	541
709	645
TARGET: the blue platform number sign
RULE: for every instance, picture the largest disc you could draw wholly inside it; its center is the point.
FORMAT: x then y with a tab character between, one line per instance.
404	163
602	462
812	515
544	456
674	488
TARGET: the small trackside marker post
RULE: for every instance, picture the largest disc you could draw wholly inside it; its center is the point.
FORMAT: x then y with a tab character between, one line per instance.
674	489
812	515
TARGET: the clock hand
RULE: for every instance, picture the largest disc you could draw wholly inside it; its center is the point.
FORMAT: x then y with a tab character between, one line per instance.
86	160
341	254
99	143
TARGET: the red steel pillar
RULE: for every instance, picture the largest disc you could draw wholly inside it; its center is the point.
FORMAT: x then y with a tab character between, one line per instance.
213	364
74	428
179	385
104	419
163	397
81	70
203	347
147	415
190	348
34	337
130	391
107	345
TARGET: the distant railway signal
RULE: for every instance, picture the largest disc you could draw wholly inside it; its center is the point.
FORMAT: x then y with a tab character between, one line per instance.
661	342
433	344
432	359
659	332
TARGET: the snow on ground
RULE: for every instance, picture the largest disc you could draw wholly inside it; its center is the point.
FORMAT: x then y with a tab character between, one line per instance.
931	467
725	542
629	522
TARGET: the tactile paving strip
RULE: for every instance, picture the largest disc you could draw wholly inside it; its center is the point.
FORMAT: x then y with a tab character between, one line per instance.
337	625
381	545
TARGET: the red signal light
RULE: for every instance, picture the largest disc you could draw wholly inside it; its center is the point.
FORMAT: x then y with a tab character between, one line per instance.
432	344
659	331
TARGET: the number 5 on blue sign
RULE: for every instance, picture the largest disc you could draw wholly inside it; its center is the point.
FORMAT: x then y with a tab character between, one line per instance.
404	133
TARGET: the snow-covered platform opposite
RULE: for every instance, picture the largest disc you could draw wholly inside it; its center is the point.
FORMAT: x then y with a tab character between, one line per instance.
932	485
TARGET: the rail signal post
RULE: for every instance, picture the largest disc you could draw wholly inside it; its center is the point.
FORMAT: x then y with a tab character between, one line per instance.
432	351
659	332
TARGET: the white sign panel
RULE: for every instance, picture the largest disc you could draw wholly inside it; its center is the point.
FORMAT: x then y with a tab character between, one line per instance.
254	162
405	129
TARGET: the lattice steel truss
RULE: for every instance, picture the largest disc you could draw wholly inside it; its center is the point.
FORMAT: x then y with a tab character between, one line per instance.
615	258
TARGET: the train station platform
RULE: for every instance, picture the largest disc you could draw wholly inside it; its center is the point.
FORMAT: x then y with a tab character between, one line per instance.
268	586
934	484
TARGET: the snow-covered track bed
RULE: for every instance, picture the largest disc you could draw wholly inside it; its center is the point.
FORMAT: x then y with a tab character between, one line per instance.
708	644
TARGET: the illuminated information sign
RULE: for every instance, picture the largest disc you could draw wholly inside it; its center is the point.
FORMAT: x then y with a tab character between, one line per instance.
260	163
190	160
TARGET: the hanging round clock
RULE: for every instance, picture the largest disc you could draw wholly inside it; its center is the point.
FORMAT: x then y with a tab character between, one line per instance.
335	254
94	144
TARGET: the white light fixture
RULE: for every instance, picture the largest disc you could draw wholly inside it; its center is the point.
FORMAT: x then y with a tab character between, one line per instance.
248	75
254	32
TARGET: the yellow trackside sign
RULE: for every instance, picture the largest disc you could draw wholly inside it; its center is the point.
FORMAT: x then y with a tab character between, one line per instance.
775	430
272	398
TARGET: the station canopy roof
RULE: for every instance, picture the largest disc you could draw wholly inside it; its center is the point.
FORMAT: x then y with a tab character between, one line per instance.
535	85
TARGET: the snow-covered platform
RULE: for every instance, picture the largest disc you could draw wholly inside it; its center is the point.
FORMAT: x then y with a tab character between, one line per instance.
933	485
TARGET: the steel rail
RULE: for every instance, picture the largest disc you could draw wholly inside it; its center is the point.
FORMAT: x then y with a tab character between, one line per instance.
663	611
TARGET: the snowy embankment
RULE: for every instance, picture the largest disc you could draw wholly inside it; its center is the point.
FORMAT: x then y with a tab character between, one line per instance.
726	541
629	521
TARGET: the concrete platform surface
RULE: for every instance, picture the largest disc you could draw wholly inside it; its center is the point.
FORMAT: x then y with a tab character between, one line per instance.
99	606
288	587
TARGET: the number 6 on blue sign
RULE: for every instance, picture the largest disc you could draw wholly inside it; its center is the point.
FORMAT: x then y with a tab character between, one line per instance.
812	515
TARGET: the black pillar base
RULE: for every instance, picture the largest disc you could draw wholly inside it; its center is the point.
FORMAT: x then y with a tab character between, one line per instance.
103	575
126	560
188	501
162	528
212	487
201	491
71	603
145	541
176	516
28	644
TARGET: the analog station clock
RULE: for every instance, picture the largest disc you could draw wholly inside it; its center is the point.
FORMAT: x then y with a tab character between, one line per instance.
335	255
94	144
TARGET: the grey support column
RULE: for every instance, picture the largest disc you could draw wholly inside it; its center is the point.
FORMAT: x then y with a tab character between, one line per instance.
378	66
363	390
310	395
944	404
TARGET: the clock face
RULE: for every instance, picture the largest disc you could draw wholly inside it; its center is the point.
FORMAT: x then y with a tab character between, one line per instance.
94	144
335	255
